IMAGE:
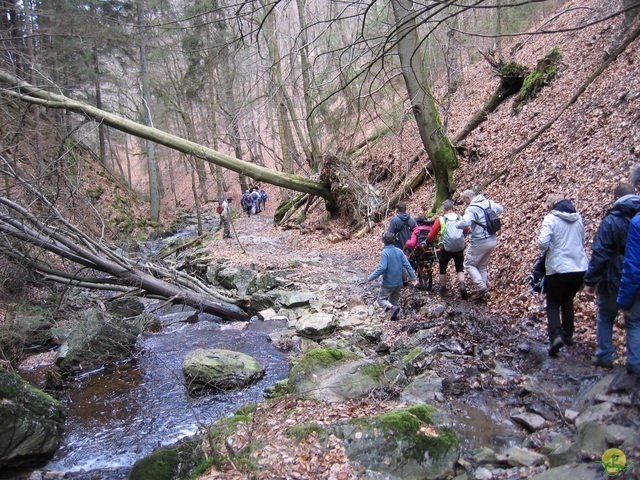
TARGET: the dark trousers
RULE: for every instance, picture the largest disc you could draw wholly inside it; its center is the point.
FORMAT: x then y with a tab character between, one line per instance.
445	257
561	289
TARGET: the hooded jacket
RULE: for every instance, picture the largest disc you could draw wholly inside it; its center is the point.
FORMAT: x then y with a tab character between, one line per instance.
630	280
392	262
402	225
562	237
474	219
608	248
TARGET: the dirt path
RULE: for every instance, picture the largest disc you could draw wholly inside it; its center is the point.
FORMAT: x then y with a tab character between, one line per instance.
489	363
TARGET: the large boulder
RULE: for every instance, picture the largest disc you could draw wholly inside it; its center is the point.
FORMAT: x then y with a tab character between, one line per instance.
240	278
334	375
316	326
98	339
31	422
218	369
125	306
410	443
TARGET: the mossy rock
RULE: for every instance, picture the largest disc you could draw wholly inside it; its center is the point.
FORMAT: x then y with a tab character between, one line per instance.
31	422
410	443
334	375
169	463
219	432
220	369
321	358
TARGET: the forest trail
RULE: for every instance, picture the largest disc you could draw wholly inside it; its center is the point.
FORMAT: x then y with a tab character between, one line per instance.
487	362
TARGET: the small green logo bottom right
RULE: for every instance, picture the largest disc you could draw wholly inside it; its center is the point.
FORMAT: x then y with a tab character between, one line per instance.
614	462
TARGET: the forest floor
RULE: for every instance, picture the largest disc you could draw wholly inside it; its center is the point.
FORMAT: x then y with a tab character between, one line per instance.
473	338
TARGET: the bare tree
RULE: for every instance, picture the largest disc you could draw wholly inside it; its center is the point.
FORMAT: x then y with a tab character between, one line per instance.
434	138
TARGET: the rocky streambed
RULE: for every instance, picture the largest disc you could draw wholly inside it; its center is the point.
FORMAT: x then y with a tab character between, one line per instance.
505	409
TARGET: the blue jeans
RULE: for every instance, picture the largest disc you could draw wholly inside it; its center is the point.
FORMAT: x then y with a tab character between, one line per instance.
633	338
607	313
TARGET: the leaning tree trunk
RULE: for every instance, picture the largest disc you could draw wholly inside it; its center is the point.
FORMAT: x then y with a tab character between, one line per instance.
30	94
512	77
440	150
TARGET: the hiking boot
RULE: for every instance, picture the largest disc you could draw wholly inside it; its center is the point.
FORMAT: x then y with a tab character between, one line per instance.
568	341
463	291
444	292
395	310
599	362
554	348
480	294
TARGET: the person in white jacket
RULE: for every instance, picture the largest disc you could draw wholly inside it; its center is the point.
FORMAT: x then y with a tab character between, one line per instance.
562	238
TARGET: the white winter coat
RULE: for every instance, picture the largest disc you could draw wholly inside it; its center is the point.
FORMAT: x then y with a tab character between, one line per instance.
562	237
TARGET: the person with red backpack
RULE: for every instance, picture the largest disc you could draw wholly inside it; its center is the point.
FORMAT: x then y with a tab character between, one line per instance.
419	234
452	242
225	216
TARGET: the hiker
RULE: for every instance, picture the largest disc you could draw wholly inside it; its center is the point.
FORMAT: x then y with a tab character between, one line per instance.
247	203
255	198
418	241
562	237
605	268
263	199
401	225
393	263
481	242
419	234
225	215
629	295
452	243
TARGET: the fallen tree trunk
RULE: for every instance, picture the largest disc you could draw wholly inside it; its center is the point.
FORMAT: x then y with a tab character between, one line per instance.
25	92
101	266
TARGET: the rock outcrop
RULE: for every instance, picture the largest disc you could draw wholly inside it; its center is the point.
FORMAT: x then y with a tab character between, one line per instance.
31	422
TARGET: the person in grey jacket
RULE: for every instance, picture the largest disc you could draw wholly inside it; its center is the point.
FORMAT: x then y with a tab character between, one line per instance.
392	264
562	237
481	243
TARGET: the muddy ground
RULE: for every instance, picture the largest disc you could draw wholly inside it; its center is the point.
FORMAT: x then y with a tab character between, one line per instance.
492	365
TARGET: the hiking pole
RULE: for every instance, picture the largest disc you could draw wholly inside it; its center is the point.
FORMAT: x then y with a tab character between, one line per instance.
235	234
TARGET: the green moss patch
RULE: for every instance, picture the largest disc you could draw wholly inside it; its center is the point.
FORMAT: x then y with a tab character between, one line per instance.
546	70
303	430
323	358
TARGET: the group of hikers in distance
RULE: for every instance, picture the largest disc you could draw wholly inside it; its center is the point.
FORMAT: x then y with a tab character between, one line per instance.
611	274
253	201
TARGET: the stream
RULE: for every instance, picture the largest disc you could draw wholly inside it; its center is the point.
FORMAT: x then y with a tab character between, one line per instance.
120	415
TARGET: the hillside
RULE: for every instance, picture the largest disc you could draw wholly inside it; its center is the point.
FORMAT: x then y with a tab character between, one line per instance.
585	154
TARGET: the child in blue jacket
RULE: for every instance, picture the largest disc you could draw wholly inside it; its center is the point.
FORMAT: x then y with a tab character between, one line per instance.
392	262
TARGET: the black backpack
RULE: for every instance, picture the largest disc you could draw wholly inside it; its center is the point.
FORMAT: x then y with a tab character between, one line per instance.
492	221
538	272
422	237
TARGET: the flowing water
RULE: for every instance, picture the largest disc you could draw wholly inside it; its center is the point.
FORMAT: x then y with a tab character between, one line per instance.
123	414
